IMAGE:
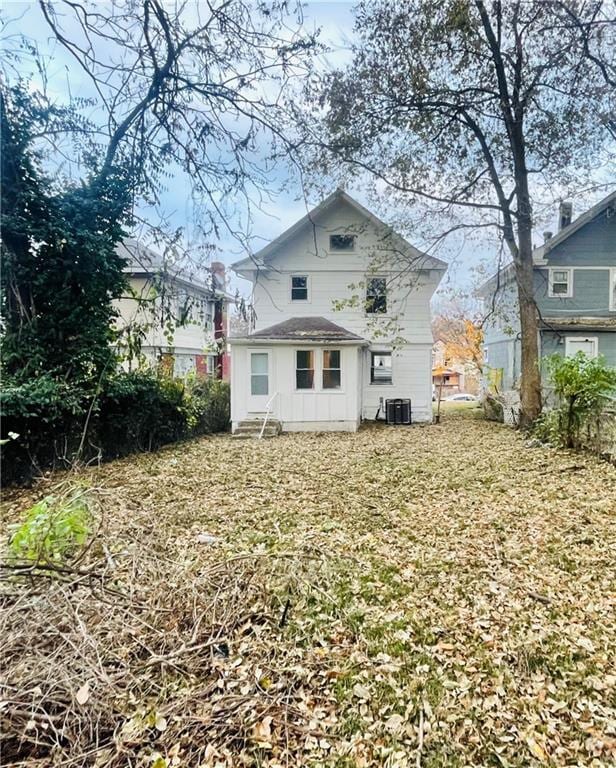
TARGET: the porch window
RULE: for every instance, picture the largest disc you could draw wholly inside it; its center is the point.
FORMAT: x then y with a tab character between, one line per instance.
342	242
331	369
299	288
304	369
376	296
380	368
560	283
259	379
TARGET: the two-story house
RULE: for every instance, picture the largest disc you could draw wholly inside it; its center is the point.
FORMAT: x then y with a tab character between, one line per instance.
171	318
342	323
575	293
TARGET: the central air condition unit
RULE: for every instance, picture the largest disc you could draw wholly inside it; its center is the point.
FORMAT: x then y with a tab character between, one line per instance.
398	411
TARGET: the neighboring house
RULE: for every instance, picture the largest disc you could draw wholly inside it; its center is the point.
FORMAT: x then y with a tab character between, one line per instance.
172	319
575	291
450	376
342	308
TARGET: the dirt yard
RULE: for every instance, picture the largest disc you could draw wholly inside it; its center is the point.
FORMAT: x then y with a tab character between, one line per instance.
425	596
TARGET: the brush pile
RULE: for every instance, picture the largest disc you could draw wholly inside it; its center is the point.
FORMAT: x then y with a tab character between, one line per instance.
130	656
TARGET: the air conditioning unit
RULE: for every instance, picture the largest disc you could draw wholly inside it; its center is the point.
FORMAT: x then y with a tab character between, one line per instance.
398	411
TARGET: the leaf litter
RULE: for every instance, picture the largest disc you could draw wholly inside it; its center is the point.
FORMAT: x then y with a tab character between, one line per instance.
425	596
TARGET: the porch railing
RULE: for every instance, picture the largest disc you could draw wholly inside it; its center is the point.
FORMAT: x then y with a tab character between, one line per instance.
268	409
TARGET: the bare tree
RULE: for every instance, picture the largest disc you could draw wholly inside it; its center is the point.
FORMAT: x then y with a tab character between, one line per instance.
177	93
482	112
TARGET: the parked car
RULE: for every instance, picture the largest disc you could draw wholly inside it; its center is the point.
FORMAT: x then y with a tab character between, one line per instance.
463	397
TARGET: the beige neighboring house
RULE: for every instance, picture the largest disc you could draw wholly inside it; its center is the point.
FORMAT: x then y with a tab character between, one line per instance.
181	321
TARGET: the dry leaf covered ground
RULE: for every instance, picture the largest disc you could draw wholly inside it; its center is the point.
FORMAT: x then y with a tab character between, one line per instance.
425	596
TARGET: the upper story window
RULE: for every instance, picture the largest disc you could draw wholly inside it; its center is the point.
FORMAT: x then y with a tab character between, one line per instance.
304	369
342	242
376	295
560	283
380	368
299	288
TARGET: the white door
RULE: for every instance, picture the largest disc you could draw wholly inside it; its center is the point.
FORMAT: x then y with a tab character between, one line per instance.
574	344
259	385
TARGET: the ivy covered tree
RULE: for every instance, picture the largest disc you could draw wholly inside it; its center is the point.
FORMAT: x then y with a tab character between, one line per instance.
482	112
185	90
60	269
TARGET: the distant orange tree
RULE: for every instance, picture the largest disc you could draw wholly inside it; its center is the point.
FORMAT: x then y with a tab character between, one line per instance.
463	339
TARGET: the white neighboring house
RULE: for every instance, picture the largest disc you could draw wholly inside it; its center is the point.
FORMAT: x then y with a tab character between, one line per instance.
342	308
195	340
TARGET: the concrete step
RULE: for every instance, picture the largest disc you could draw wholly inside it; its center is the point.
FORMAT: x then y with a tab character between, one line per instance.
252	428
269	431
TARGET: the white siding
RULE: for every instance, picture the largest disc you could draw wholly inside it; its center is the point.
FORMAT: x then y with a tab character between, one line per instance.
298	409
338	276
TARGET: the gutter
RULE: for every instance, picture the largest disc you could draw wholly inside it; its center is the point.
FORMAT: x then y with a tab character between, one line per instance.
244	341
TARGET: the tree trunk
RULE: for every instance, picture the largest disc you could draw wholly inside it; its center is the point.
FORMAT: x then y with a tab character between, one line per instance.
530	384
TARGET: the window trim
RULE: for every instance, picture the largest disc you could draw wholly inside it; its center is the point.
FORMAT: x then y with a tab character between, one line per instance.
323	369
374	352
612	290
377	314
342	250
569	294
299	301
268	374
594	339
313	369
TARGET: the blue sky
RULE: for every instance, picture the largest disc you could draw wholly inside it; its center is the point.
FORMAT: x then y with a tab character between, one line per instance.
271	217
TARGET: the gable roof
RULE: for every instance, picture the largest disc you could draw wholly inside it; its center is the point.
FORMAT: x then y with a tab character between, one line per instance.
507	272
583	219
260	258
141	260
307	329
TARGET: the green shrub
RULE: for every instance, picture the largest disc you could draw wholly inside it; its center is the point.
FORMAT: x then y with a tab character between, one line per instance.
136	411
582	385
140	411
209	405
546	427
48	417
54	529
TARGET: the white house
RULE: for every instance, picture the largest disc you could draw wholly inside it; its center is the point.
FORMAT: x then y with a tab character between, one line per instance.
342	323
178	320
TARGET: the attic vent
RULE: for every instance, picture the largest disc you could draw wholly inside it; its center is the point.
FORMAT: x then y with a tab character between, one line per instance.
342	242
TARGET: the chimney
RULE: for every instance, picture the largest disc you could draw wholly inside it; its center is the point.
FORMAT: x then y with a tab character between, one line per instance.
547	235
565	213
218	274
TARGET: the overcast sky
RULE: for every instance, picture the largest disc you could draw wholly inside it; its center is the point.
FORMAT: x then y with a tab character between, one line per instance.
335	20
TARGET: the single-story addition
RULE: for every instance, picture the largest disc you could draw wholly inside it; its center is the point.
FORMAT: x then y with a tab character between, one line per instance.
307	370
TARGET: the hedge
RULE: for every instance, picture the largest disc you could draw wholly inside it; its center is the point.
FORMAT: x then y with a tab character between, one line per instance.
134	412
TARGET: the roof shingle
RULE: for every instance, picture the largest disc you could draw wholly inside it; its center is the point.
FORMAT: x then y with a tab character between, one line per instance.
306	329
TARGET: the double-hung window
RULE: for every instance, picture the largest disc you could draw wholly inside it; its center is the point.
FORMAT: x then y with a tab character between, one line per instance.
299	288
331	369
376	296
304	369
560	283
380	368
